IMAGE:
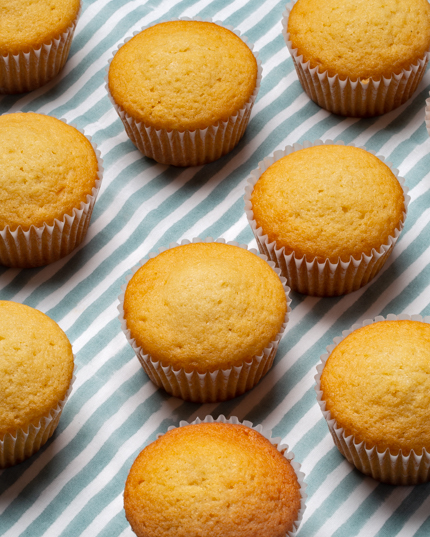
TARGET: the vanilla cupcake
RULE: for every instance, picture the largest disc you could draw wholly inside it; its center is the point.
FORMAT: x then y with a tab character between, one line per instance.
358	58
184	90
328	215
205	319
49	179
214	476
374	390
36	370
35	38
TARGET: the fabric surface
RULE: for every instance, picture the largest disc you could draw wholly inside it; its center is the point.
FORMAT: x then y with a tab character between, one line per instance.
74	485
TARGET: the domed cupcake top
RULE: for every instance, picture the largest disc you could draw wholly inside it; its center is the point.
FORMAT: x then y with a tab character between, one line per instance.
212	478
204	306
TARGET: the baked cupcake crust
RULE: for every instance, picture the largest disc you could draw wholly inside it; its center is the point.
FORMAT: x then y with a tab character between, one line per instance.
204	306
212	479
183	75
36	366
360	39
47	168
328	202
376	385
28	24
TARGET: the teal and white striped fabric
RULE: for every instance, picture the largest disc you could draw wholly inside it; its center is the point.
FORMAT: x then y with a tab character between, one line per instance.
73	486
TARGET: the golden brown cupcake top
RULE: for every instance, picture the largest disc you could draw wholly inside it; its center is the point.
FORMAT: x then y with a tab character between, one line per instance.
47	168
27	24
203	306
328	201
36	366
376	384
211	479
360	38
183	75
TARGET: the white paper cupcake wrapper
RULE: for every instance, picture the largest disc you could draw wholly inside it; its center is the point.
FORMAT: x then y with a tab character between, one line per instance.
354	98
15	448
397	469
45	244
282	448
427	115
314	277
189	147
27	71
208	387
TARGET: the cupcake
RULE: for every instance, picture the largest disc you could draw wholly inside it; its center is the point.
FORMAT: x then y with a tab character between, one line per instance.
49	179
35	38
184	90
328	215
36	370
361	58
205	319
374	390
214	477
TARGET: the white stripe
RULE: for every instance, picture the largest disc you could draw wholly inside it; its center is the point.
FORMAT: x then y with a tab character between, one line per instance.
385	511
329	485
317	454
394	141
347	507
256	16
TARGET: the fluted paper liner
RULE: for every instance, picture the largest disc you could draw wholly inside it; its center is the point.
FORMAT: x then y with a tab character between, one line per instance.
189	147
314	277
354	98
282	448
27	71
209	387
15	448
427	115
45	244
397	469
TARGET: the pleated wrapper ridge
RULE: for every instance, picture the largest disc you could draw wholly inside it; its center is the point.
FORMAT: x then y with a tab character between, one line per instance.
15	448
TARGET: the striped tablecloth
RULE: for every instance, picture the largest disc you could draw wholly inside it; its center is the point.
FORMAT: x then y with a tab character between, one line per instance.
74	485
